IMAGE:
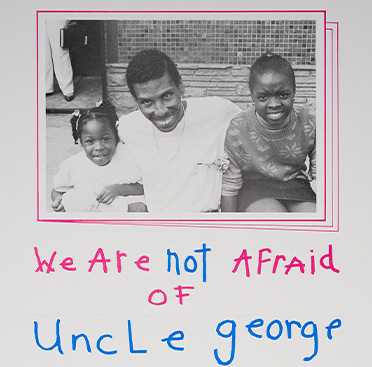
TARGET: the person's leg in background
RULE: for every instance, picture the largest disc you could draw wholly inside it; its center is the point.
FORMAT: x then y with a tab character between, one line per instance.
58	59
49	87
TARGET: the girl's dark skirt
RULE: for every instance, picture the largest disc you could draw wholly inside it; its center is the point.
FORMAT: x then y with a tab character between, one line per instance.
295	190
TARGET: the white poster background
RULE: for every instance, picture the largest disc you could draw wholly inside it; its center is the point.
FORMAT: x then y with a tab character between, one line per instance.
96	304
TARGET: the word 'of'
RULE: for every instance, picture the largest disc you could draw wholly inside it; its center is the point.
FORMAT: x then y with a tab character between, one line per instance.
157	297
226	329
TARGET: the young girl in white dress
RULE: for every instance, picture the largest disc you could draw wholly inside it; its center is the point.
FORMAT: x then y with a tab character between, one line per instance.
103	177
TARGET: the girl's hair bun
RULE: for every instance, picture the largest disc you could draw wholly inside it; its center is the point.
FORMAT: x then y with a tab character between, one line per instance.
106	108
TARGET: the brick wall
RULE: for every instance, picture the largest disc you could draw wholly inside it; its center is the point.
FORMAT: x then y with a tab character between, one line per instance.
236	42
228	81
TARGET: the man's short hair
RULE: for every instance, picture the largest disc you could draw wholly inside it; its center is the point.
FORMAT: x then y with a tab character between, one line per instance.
148	65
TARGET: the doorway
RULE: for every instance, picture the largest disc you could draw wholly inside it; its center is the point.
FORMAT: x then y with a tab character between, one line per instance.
88	69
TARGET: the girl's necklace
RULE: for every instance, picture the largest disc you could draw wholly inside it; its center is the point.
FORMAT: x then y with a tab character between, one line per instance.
179	144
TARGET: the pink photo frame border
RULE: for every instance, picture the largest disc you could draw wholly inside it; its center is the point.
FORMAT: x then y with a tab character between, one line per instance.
266	224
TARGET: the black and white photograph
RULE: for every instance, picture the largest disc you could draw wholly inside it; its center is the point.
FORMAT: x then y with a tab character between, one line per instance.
182	115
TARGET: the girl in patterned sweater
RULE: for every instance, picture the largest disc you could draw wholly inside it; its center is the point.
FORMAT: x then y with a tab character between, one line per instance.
268	146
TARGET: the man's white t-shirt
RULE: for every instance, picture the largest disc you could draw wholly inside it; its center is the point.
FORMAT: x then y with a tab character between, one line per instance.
181	169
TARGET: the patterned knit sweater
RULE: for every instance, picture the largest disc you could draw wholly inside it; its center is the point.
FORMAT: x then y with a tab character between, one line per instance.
258	153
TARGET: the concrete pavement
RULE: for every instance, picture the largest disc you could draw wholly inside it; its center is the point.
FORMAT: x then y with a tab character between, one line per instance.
59	146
